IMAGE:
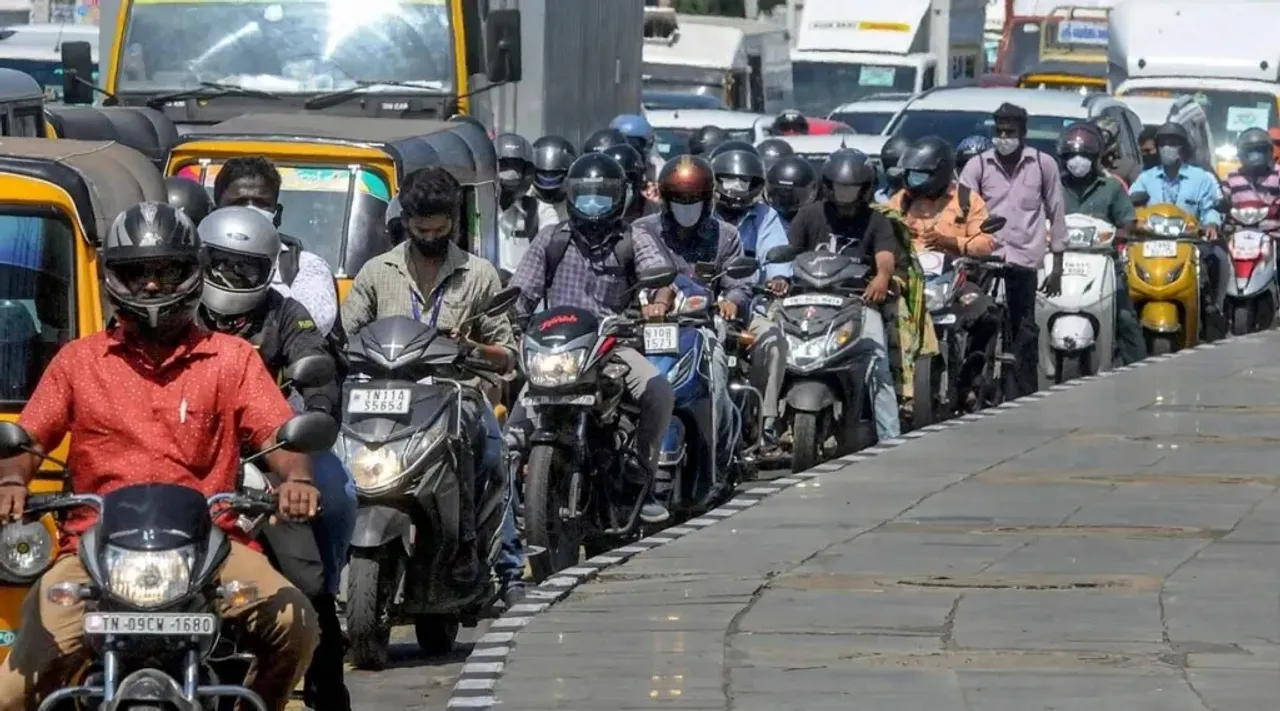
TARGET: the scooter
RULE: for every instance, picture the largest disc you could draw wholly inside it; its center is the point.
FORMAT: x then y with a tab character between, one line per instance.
1164	277
1078	326
1252	297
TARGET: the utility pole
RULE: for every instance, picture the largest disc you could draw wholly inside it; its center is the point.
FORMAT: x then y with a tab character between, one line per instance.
940	38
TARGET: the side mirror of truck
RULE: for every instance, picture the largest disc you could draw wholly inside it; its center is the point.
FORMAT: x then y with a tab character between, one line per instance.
502	46
77	73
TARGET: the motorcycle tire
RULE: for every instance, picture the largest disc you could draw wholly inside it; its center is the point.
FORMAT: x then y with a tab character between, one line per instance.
435	634
1160	345
544	528
922	414
368	623
1240	320
806	448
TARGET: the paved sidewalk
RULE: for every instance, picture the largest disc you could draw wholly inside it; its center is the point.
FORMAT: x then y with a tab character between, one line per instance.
1113	546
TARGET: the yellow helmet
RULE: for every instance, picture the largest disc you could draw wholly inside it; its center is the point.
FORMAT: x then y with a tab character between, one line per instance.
1167	219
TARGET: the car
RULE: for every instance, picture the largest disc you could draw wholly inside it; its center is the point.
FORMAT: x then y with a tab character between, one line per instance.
827	127
816	148
871	116
957	113
672	128
672	100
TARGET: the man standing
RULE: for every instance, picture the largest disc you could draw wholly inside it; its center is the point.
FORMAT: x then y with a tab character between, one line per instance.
1022	185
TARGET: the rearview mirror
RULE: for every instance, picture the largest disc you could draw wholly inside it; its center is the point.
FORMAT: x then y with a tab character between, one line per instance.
13	440
993	224
311	371
705	270
500	302
1139	199
741	268
656	277
308	432
781	254
1223	205
77	73
504	277
502	46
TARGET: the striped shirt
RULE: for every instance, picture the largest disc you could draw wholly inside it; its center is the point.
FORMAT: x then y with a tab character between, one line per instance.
1243	189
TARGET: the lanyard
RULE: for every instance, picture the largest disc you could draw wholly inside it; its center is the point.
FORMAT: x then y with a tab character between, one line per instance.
435	310
1164	189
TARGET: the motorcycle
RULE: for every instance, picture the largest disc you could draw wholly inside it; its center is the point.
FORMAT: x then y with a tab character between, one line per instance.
152	606
1164	277
411	436
584	483
1253	296
1078	326
692	473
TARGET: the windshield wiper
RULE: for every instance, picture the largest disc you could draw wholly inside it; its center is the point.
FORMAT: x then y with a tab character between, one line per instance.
333	98
209	90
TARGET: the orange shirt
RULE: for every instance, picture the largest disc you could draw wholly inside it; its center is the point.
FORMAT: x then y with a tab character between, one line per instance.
941	216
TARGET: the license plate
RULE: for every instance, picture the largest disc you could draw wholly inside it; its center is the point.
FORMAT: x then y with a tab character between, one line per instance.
661	338
1160	248
1246	245
813	300
395	401
153	624
1075	267
535	400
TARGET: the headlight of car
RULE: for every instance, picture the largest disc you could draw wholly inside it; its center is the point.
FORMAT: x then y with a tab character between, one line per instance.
26	549
936	295
553	370
148	578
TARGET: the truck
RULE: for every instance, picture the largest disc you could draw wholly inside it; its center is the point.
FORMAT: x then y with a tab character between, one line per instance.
517	65
1030	25
847	50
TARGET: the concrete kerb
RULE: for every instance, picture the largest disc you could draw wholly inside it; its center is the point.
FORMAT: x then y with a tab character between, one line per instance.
477	683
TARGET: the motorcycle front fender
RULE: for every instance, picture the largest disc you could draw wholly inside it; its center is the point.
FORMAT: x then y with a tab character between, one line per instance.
1161	317
811	396
377	526
146	687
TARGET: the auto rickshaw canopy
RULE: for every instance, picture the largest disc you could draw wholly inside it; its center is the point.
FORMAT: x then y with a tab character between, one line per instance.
1068	74
145	130
19	86
103	178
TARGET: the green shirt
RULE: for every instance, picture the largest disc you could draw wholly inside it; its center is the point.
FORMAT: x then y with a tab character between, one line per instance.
1104	198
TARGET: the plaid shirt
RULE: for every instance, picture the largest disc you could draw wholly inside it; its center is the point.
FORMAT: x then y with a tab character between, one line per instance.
598	284
717	242
1266	191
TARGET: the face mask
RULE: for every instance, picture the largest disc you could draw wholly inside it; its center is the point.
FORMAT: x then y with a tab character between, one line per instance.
1079	166
686	215
431	247
1007	146
1170	155
1150	160
917	178
269	214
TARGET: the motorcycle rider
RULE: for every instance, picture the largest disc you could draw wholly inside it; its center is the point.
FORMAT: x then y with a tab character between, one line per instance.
633	164
771	149
790	123
739	180
581	263
1257	180
188	197
552	156
1147	145
430	279
520	214
602	139
239	248
154	398
1089	190
706	139
843	221
640	134
1193	189
1112	161
970	148
789	185
890	157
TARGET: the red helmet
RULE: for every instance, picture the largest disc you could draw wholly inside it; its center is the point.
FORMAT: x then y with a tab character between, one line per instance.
686	182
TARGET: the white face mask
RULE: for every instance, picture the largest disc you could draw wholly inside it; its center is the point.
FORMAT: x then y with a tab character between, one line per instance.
1079	166
269	214
1006	146
686	215
1170	155
511	176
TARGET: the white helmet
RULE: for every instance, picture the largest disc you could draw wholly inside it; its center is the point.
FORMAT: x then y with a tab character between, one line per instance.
240	249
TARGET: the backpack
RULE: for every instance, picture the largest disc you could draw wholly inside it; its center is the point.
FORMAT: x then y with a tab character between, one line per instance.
623	251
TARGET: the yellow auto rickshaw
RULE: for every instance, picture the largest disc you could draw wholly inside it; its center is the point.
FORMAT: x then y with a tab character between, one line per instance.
145	130
60	197
1164	277
21	105
1085	77
338	174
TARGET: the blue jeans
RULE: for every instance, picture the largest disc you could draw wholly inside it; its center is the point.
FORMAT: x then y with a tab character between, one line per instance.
884	400
510	563
337	520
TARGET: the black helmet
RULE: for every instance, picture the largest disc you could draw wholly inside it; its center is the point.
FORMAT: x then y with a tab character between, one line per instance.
739	177
595	195
791	123
971	147
1081	139
1170	132
189	197
1253	148
552	156
733	145
771	149
847	178
633	164
891	153
928	167
687	185
515	163
602	139
705	140
790	184
150	261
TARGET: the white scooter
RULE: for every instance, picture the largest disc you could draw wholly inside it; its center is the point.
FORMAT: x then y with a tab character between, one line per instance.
1253	295
1077	327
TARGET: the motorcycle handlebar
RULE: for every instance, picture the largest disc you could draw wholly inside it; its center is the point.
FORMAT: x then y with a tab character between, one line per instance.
244	502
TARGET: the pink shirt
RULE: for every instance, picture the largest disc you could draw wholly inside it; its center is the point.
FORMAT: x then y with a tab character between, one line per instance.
1266	191
1026	198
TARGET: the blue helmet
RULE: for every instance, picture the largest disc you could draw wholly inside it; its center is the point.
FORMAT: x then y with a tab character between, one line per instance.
970	147
636	128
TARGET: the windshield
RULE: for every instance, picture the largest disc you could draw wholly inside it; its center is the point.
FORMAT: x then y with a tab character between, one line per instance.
298	46
47	73
1022	51
863	122
955	126
822	86
37	298
1229	112
674	101
314	202
675	141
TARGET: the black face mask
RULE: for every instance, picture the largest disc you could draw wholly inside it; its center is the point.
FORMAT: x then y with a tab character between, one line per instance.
1150	160
432	247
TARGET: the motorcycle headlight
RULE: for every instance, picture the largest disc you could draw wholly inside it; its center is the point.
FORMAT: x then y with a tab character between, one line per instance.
1248	215
807	351
148	578
936	295
553	370
380	467
1082	237
26	549
690	305
1166	226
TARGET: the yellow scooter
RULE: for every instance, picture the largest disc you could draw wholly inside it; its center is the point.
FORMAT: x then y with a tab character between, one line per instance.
1164	277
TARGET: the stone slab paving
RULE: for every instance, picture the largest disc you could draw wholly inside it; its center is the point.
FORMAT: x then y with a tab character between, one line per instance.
1114	545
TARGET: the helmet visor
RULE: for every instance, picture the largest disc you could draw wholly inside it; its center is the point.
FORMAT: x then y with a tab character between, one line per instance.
734	186
549	179
786	197
240	272
596	198
154	278
846	194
